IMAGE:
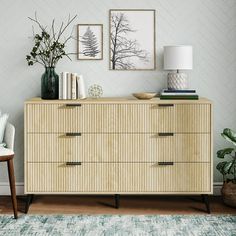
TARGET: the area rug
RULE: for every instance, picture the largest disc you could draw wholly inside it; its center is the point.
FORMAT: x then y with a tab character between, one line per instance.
108	225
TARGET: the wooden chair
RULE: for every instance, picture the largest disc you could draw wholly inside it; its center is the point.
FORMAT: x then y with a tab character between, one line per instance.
6	155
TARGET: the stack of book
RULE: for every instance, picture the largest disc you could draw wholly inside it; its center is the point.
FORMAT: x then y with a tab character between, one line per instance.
71	86
179	94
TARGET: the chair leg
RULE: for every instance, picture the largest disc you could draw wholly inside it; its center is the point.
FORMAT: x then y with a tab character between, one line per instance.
12	186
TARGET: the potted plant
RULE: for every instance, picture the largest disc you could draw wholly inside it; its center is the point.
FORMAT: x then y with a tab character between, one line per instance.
228	168
48	49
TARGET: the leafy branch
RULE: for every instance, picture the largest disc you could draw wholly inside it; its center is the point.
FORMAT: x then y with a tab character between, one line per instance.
228	167
49	47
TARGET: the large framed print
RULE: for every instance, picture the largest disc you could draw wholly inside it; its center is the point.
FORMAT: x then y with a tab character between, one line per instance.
132	39
90	42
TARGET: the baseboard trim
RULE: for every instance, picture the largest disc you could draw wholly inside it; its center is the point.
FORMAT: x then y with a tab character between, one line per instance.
5	188
217	188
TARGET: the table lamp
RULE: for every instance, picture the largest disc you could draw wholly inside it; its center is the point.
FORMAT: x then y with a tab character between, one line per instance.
178	58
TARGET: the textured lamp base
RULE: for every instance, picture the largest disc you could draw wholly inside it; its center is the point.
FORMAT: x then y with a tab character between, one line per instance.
177	81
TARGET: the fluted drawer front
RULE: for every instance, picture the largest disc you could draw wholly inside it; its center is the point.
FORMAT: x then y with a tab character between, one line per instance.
182	118
59	177
122	177
184	147
91	147
118	147
179	177
102	118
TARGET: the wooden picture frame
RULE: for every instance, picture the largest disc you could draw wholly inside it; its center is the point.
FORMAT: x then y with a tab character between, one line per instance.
138	49
90	41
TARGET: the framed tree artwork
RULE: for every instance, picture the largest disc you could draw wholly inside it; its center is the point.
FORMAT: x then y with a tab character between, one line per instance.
132	39
90	42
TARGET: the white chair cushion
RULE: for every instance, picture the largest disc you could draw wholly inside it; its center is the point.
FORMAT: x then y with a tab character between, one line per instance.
3	122
5	152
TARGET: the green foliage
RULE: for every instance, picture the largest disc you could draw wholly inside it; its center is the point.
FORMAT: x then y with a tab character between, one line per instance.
228	167
48	47
223	152
229	135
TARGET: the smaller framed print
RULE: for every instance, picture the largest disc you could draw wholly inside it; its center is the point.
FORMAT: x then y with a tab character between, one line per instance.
90	42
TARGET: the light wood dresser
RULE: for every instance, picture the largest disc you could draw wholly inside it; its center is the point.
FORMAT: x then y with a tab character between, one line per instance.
118	146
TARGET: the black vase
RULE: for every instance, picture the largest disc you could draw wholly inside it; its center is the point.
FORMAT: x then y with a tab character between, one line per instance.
49	84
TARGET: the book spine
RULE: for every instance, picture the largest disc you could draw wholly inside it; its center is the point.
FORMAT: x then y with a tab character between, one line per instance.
81	87
64	85
68	85
178	94
178	98
73	86
60	92
193	97
179	91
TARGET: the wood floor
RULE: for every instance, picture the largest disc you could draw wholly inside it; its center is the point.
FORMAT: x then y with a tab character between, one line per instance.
58	204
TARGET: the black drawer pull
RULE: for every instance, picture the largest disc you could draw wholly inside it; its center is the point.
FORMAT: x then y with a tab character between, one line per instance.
73	163
165	105
73	105
170	163
165	134
73	134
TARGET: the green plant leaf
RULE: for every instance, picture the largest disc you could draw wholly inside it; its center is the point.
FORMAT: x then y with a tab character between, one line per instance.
30	63
220	167
223	152
231	170
228	166
34	49
229	135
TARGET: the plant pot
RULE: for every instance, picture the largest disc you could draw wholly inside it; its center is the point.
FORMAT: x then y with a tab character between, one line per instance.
228	192
49	84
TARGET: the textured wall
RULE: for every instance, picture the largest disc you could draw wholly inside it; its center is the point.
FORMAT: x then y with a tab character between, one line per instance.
208	25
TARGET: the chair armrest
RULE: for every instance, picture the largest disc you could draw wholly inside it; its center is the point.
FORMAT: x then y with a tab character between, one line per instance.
9	136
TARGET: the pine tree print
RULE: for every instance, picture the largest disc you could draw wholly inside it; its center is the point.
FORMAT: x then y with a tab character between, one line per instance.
89	40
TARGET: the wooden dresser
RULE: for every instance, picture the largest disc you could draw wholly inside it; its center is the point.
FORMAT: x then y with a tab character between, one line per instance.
118	146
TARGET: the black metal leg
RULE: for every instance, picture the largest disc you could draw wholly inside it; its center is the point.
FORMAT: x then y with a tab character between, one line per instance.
117	201
29	200
205	199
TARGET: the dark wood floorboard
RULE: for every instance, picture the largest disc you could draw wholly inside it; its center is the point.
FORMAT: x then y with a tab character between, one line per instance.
59	204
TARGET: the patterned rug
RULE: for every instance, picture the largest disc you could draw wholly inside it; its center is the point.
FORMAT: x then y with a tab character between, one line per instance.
96	225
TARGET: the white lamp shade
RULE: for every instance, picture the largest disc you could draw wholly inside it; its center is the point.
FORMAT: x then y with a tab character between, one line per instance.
178	57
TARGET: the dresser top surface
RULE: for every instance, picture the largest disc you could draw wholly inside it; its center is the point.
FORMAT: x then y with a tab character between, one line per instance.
118	100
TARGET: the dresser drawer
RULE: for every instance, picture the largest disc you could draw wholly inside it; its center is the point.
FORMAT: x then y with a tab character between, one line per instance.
176	178
91	147
99	118
62	178
184	147
181	118
122	177
117	147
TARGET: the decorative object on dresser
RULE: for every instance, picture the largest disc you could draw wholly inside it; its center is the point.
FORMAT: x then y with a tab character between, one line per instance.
118	146
71	86
48	49
7	155
145	95
132	39
178	58
188	94
95	91
90	42
228	168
